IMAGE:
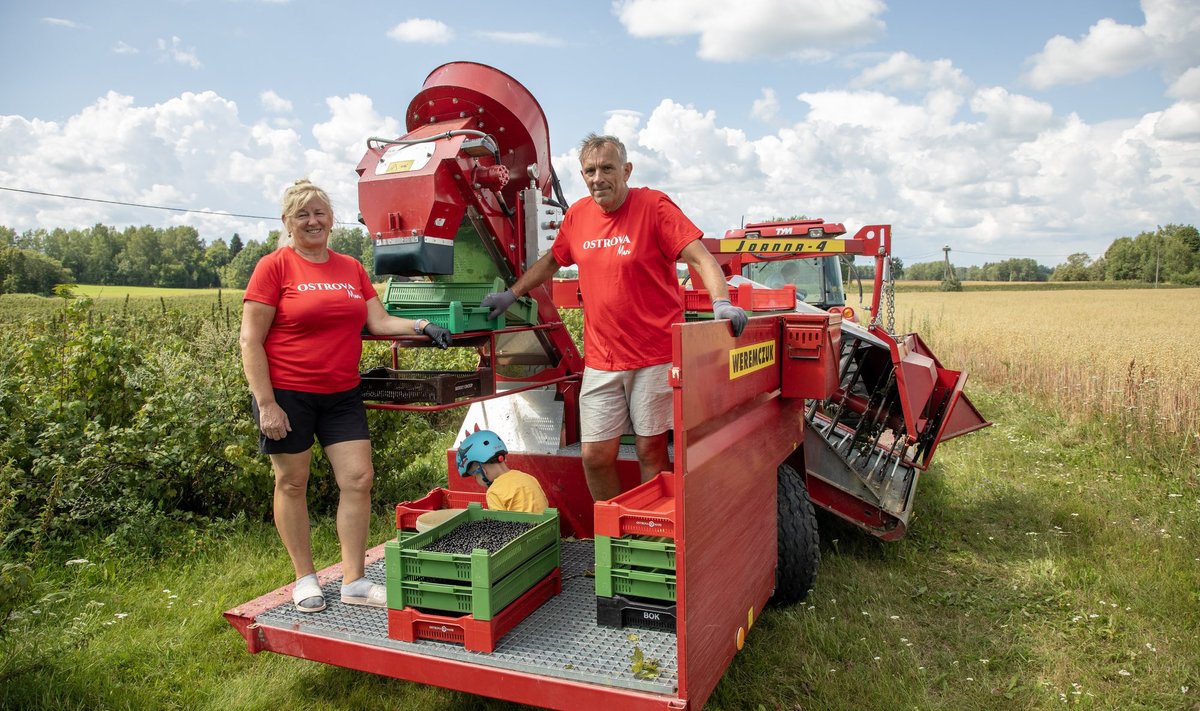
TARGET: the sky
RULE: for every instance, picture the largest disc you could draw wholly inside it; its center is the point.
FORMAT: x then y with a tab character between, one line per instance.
1002	130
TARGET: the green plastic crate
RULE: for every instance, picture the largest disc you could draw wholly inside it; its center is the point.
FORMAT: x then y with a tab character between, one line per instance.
422	294
634	583
482	603
452	316
523	311
454	305
635	552
478	567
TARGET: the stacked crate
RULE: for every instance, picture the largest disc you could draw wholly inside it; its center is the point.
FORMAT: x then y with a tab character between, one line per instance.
407	512
471	598
452	305
635	557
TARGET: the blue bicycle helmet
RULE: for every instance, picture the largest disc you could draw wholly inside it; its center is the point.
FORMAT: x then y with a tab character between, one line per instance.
482	447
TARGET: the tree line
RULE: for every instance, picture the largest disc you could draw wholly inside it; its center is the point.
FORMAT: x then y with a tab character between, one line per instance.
34	261
1168	255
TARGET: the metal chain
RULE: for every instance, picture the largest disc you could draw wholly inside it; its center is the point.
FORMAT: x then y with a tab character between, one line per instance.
889	292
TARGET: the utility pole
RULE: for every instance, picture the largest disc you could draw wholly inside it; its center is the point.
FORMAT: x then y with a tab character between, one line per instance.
948	273
1157	254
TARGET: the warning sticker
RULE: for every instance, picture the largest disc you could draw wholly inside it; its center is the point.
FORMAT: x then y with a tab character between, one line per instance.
747	359
404	159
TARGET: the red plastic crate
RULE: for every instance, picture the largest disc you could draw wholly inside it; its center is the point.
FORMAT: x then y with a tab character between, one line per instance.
410	624
408	511
746	297
565	293
645	510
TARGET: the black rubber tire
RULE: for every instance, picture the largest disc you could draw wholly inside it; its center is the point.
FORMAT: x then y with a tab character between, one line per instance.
799	541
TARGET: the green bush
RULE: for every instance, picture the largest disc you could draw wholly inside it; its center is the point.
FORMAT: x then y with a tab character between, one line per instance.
123	423
16	585
134	421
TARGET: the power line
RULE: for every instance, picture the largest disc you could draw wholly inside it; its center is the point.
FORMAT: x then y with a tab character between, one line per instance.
149	207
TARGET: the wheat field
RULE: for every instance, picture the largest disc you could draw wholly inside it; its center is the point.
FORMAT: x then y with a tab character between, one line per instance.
1133	354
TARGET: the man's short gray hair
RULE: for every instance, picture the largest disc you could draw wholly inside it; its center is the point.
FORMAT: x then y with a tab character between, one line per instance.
592	142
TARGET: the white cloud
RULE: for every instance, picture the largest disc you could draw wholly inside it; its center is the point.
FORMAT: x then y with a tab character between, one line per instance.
178	53
274	102
193	151
352	120
123	48
766	109
1187	86
1111	49
538	39
1012	115
64	23
421	31
1180	122
984	170
1005	176
902	71
756	28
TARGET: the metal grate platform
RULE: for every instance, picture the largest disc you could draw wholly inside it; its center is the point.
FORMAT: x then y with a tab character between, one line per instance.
560	639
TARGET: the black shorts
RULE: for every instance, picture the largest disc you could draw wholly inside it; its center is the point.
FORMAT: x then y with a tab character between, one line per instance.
331	417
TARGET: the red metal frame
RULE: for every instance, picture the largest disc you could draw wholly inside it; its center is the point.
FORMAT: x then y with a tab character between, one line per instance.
725	549
772	241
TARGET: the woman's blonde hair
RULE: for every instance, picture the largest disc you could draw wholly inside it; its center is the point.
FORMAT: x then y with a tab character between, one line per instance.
296	197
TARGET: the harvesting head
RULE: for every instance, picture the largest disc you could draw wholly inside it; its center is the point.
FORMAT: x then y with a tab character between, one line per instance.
475	139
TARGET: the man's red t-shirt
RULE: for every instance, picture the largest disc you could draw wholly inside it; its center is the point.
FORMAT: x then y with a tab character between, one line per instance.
627	279
315	342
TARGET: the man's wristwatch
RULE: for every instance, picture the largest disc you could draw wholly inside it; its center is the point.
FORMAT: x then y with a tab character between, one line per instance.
419	326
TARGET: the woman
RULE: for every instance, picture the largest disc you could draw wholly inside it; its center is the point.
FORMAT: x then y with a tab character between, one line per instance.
302	319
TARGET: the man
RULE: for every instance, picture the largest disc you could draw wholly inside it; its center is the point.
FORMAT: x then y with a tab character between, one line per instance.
625	243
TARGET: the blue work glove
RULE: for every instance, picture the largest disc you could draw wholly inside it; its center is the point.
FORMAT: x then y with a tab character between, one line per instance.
722	308
499	302
438	334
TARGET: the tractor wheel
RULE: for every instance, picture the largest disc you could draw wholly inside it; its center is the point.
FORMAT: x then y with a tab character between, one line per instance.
799	544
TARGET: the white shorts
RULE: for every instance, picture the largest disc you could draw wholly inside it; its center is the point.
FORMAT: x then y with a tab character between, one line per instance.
615	402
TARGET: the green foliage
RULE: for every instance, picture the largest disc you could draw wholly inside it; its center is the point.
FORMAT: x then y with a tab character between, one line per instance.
1024	270
950	284
1078	267
925	271
23	271
16	583
124	422
354	242
133	417
236	274
1169	255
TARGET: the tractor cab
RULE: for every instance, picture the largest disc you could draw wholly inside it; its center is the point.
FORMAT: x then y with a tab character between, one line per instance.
818	280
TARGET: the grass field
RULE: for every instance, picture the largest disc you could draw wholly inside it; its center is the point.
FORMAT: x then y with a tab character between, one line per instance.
144	292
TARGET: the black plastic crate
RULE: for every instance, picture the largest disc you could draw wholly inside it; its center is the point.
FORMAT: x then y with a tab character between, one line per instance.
620	611
432	386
